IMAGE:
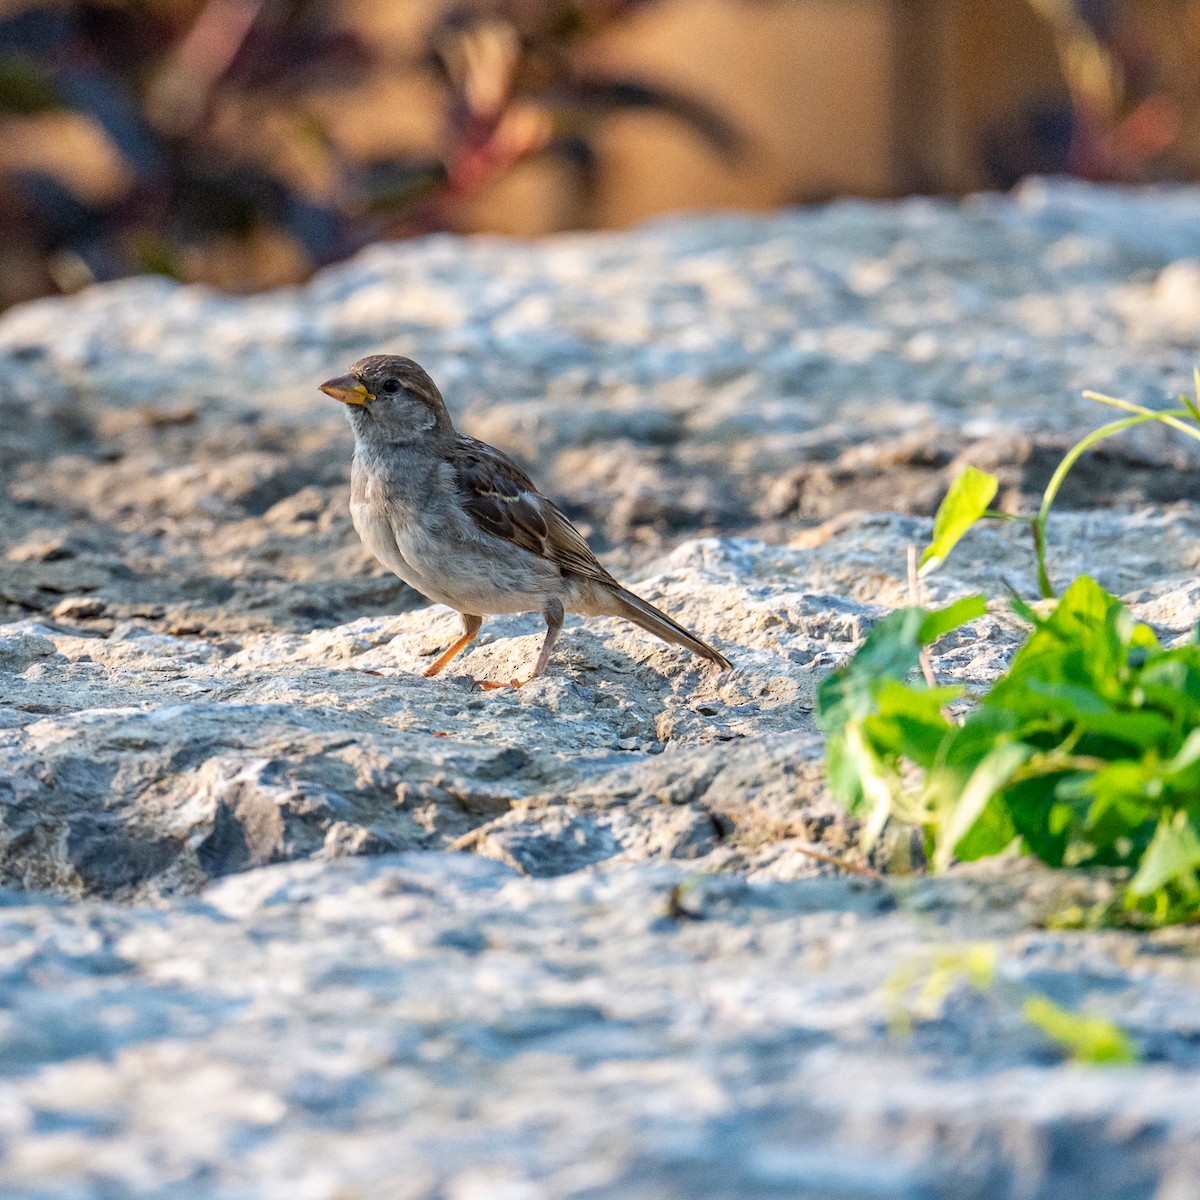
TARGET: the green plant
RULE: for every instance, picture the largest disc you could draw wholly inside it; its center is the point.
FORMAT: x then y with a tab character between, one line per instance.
1089	1040
967	501
1085	753
919	988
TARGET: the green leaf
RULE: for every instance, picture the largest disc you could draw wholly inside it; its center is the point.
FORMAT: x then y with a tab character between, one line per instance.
1084	602
1140	730
1188	755
1078	650
1038	817
1193	406
967	500
1171	858
1120	819
992	833
941	621
891	650
909	721
989	777
1093	1041
842	772
1170	681
878	795
1024	610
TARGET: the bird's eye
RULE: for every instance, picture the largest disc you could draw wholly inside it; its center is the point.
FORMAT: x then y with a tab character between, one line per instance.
391	386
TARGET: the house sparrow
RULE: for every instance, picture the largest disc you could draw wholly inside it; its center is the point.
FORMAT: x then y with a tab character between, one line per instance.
463	524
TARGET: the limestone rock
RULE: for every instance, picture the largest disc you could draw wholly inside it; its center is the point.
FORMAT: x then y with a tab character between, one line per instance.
628	971
433	1025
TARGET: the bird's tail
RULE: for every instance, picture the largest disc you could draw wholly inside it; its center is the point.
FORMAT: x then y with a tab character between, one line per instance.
642	612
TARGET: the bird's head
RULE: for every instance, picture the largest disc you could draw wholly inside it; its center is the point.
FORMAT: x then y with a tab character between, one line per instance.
390	398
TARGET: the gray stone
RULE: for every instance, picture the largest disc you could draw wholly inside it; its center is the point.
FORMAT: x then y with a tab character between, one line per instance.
637	972
435	1025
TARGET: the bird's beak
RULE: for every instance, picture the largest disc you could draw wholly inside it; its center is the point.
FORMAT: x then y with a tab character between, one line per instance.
347	389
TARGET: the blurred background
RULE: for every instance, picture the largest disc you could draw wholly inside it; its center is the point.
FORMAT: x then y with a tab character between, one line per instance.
246	143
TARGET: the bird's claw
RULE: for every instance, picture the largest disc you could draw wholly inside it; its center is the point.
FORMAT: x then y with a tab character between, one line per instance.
492	685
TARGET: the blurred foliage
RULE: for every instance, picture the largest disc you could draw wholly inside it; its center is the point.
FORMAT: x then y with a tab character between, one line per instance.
225	160
920	989
207	139
1128	107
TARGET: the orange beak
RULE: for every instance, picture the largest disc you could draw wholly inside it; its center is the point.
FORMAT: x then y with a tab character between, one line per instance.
347	389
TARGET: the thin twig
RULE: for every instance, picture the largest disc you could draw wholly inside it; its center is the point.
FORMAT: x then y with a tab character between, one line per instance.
832	860
914	598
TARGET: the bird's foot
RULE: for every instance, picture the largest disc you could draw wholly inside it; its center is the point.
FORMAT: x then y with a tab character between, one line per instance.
492	685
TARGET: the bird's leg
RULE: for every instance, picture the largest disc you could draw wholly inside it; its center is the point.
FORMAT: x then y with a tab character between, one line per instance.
553	612
471	626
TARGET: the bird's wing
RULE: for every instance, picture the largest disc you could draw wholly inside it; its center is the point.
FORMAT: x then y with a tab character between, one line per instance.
501	499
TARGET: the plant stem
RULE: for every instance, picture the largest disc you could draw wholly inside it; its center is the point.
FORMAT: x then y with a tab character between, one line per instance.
1084	444
1166	416
1045	588
914	598
1071	457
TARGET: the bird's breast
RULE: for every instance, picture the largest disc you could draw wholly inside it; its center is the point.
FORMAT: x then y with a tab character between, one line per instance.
374	500
420	532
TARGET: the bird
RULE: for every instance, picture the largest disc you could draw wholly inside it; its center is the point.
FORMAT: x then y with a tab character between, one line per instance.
460	522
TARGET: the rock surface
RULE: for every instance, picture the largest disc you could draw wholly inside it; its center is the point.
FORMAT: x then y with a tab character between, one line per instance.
202	674
436	1026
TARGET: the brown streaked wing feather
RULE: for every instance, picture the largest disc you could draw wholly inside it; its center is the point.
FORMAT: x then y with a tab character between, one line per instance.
502	500
566	547
499	495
